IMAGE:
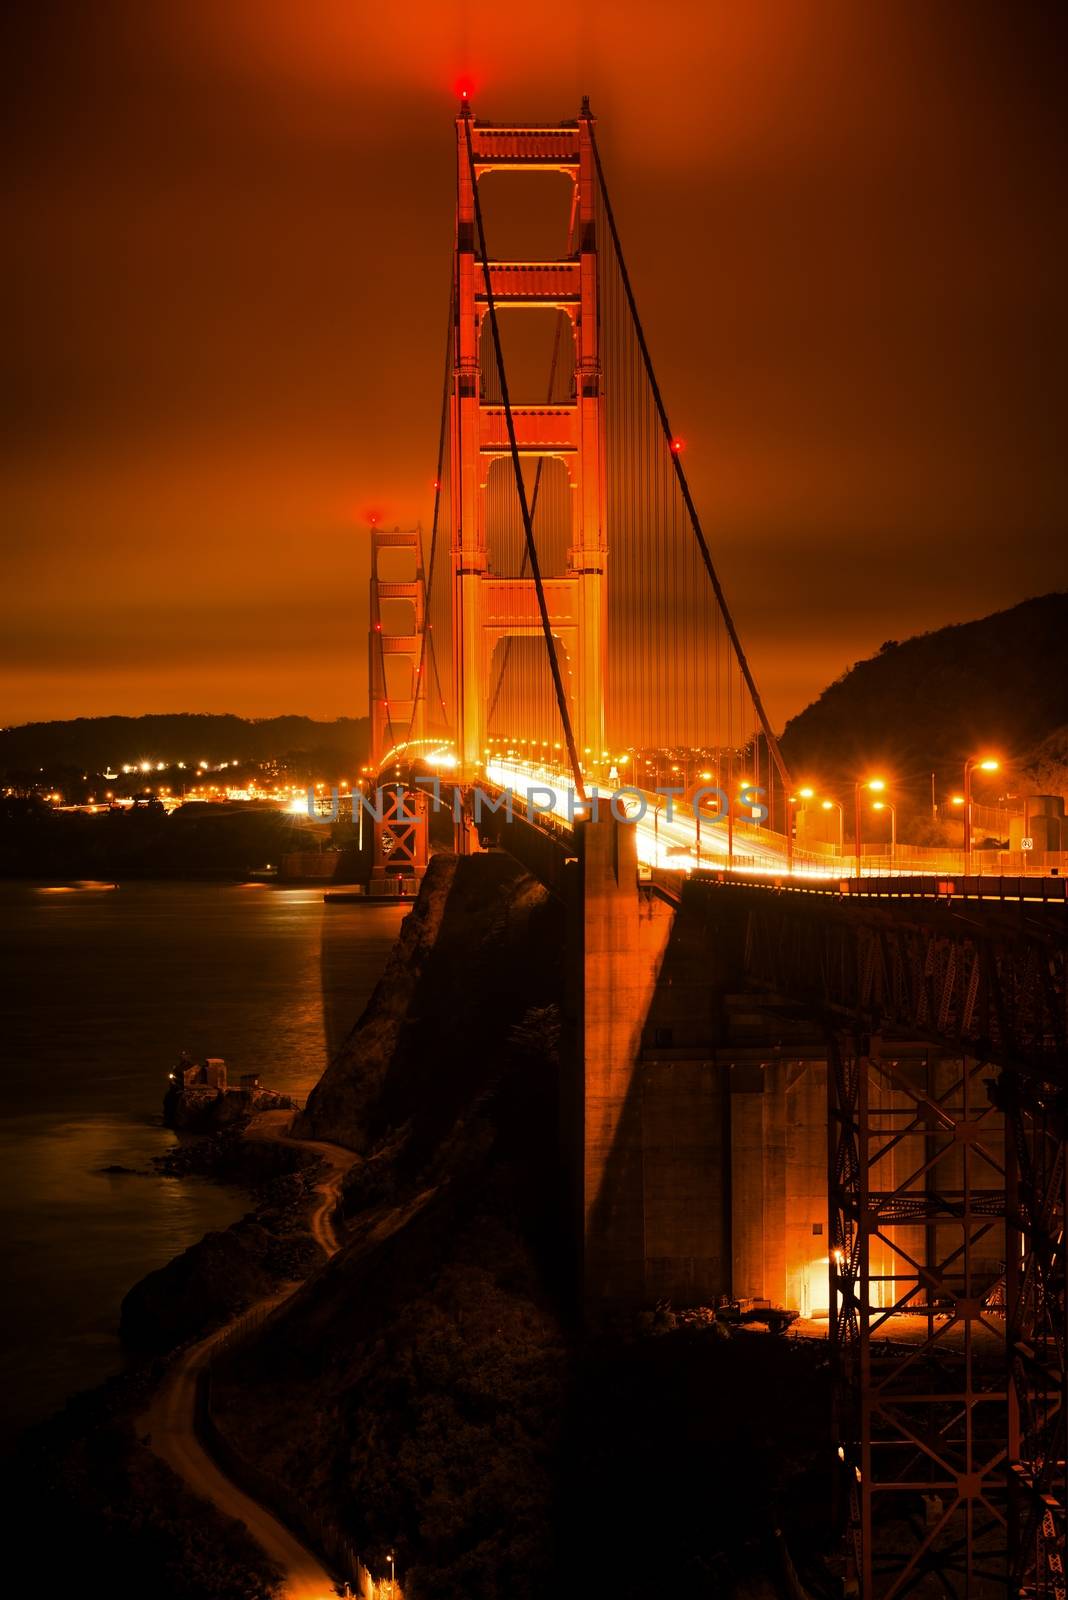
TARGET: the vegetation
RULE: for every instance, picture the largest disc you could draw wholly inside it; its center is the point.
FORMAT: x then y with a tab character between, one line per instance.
99	1510
925	705
432	1392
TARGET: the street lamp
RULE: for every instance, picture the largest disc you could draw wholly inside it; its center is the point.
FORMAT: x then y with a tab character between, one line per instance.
985	764
886	805
392	1575
806	794
836	805
876	785
745	788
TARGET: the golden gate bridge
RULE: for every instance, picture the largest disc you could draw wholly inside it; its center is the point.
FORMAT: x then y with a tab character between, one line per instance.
567	626
564	632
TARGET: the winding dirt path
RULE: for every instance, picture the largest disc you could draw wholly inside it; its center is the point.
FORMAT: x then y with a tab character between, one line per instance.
170	1421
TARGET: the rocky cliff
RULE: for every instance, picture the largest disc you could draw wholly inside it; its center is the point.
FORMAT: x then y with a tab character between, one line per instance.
431	1390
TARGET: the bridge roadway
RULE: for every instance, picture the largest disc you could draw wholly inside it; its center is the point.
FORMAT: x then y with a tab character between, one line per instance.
980	965
674	846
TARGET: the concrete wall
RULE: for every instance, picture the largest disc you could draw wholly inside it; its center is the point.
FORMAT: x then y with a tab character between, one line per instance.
624	932
696	1116
701	1166
685	1244
778	1155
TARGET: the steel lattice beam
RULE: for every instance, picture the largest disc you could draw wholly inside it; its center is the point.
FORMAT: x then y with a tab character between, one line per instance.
989	988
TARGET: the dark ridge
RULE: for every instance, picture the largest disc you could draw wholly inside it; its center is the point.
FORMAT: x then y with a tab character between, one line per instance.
92	742
925	704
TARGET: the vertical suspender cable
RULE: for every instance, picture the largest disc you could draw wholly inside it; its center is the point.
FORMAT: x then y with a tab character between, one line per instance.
427	642
376	625
706	554
517	467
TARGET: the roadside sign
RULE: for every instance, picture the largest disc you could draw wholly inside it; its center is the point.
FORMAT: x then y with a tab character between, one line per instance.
1027	844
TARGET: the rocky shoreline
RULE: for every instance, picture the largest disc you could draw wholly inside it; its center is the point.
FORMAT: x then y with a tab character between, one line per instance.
85	1470
432	1392
227	1271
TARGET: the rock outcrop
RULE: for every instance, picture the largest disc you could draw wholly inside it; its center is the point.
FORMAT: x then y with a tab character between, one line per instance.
202	1108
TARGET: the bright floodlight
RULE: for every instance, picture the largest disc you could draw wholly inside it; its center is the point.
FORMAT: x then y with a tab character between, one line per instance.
989	765
878	784
806	793
827	805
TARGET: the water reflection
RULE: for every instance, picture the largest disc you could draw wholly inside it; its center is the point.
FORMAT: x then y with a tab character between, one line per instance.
101	991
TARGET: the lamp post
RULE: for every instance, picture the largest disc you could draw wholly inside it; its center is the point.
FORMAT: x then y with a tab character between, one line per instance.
745	788
836	805
876	785
392	1575
985	764
886	805
805	794
706	777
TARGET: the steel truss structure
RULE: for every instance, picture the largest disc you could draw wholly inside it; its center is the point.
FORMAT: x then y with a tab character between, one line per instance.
947	1068
986	979
947	1318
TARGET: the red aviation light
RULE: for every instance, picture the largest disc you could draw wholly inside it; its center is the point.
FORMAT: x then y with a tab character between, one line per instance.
676	446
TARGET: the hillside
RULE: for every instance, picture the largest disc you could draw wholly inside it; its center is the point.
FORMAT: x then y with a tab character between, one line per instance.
431	1391
95	743
924	705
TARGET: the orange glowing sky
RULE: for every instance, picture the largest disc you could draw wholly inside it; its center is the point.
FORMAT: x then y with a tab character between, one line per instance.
228	273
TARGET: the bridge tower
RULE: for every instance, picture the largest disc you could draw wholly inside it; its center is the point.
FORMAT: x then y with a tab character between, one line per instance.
397	720
488	607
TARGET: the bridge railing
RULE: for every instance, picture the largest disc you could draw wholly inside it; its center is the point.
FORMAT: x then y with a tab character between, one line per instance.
752	846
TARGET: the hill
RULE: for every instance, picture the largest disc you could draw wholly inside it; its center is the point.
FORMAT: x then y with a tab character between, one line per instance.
94	744
926	704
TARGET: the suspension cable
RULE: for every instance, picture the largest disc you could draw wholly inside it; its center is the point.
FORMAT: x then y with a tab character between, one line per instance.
706	554
376	625
517	467
427	642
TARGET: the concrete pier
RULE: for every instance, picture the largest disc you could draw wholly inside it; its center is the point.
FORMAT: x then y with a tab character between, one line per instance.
694	1124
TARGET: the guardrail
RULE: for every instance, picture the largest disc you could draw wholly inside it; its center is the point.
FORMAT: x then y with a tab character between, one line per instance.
900	886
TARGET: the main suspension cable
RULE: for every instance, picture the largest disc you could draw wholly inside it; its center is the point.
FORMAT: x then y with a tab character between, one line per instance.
706	554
